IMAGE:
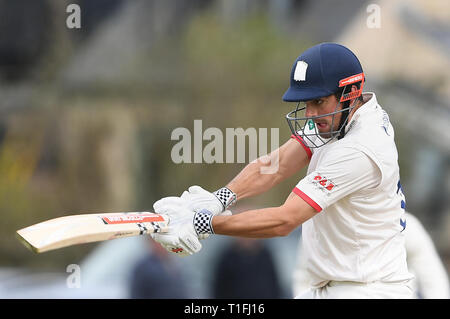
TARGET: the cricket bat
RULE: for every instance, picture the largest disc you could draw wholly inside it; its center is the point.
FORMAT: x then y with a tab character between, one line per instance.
86	228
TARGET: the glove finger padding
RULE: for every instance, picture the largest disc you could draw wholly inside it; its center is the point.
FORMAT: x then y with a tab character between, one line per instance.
178	214
197	190
181	237
184	195
199	199
190	239
181	246
159	205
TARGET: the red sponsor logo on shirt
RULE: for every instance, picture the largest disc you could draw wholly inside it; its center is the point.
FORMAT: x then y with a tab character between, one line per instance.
326	183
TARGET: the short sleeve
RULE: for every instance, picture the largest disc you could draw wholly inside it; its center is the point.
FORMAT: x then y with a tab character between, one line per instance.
303	144
344	171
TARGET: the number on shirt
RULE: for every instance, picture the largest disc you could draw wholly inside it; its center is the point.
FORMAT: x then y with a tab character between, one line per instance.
402	203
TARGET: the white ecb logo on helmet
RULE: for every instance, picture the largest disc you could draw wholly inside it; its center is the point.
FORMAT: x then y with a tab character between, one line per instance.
300	71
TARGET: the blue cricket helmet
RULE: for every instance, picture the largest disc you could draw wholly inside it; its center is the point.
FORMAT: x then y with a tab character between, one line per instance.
320	70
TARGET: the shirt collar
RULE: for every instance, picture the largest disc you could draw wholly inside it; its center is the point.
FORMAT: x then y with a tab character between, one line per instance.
363	109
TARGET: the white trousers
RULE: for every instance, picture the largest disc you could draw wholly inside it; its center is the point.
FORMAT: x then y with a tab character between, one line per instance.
356	290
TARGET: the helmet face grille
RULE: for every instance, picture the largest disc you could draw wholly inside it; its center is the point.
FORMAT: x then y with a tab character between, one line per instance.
305	127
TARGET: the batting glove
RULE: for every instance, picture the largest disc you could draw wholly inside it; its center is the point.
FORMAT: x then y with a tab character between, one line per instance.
196	199
200	199
181	237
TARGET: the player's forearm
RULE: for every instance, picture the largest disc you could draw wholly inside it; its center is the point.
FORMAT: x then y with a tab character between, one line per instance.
264	173
265	222
250	181
258	223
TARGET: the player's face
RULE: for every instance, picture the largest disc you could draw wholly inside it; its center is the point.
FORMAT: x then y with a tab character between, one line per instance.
320	107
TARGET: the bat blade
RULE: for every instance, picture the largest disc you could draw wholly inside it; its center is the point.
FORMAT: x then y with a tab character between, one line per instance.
86	228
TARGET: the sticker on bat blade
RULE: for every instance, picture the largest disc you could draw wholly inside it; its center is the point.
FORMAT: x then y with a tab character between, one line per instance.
132	218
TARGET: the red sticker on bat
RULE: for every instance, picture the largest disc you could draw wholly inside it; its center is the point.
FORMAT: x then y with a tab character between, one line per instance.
132	218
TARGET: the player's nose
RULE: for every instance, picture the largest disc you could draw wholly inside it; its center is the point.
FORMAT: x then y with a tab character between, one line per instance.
310	111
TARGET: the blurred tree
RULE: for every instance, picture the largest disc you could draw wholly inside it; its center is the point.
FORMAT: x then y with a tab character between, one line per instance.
105	145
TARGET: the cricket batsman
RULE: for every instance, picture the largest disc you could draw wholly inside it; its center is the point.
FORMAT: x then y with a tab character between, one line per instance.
350	204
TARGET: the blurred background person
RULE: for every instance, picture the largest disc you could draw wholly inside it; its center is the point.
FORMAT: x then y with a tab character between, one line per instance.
424	262
157	276
244	270
431	280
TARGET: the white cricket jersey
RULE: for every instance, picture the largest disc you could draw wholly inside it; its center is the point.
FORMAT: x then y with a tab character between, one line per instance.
354	184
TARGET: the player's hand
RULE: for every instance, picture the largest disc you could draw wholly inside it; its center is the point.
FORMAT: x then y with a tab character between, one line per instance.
196	199
200	198
179	240
181	237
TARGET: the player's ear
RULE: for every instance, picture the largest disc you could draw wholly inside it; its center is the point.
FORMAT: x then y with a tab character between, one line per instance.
353	88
